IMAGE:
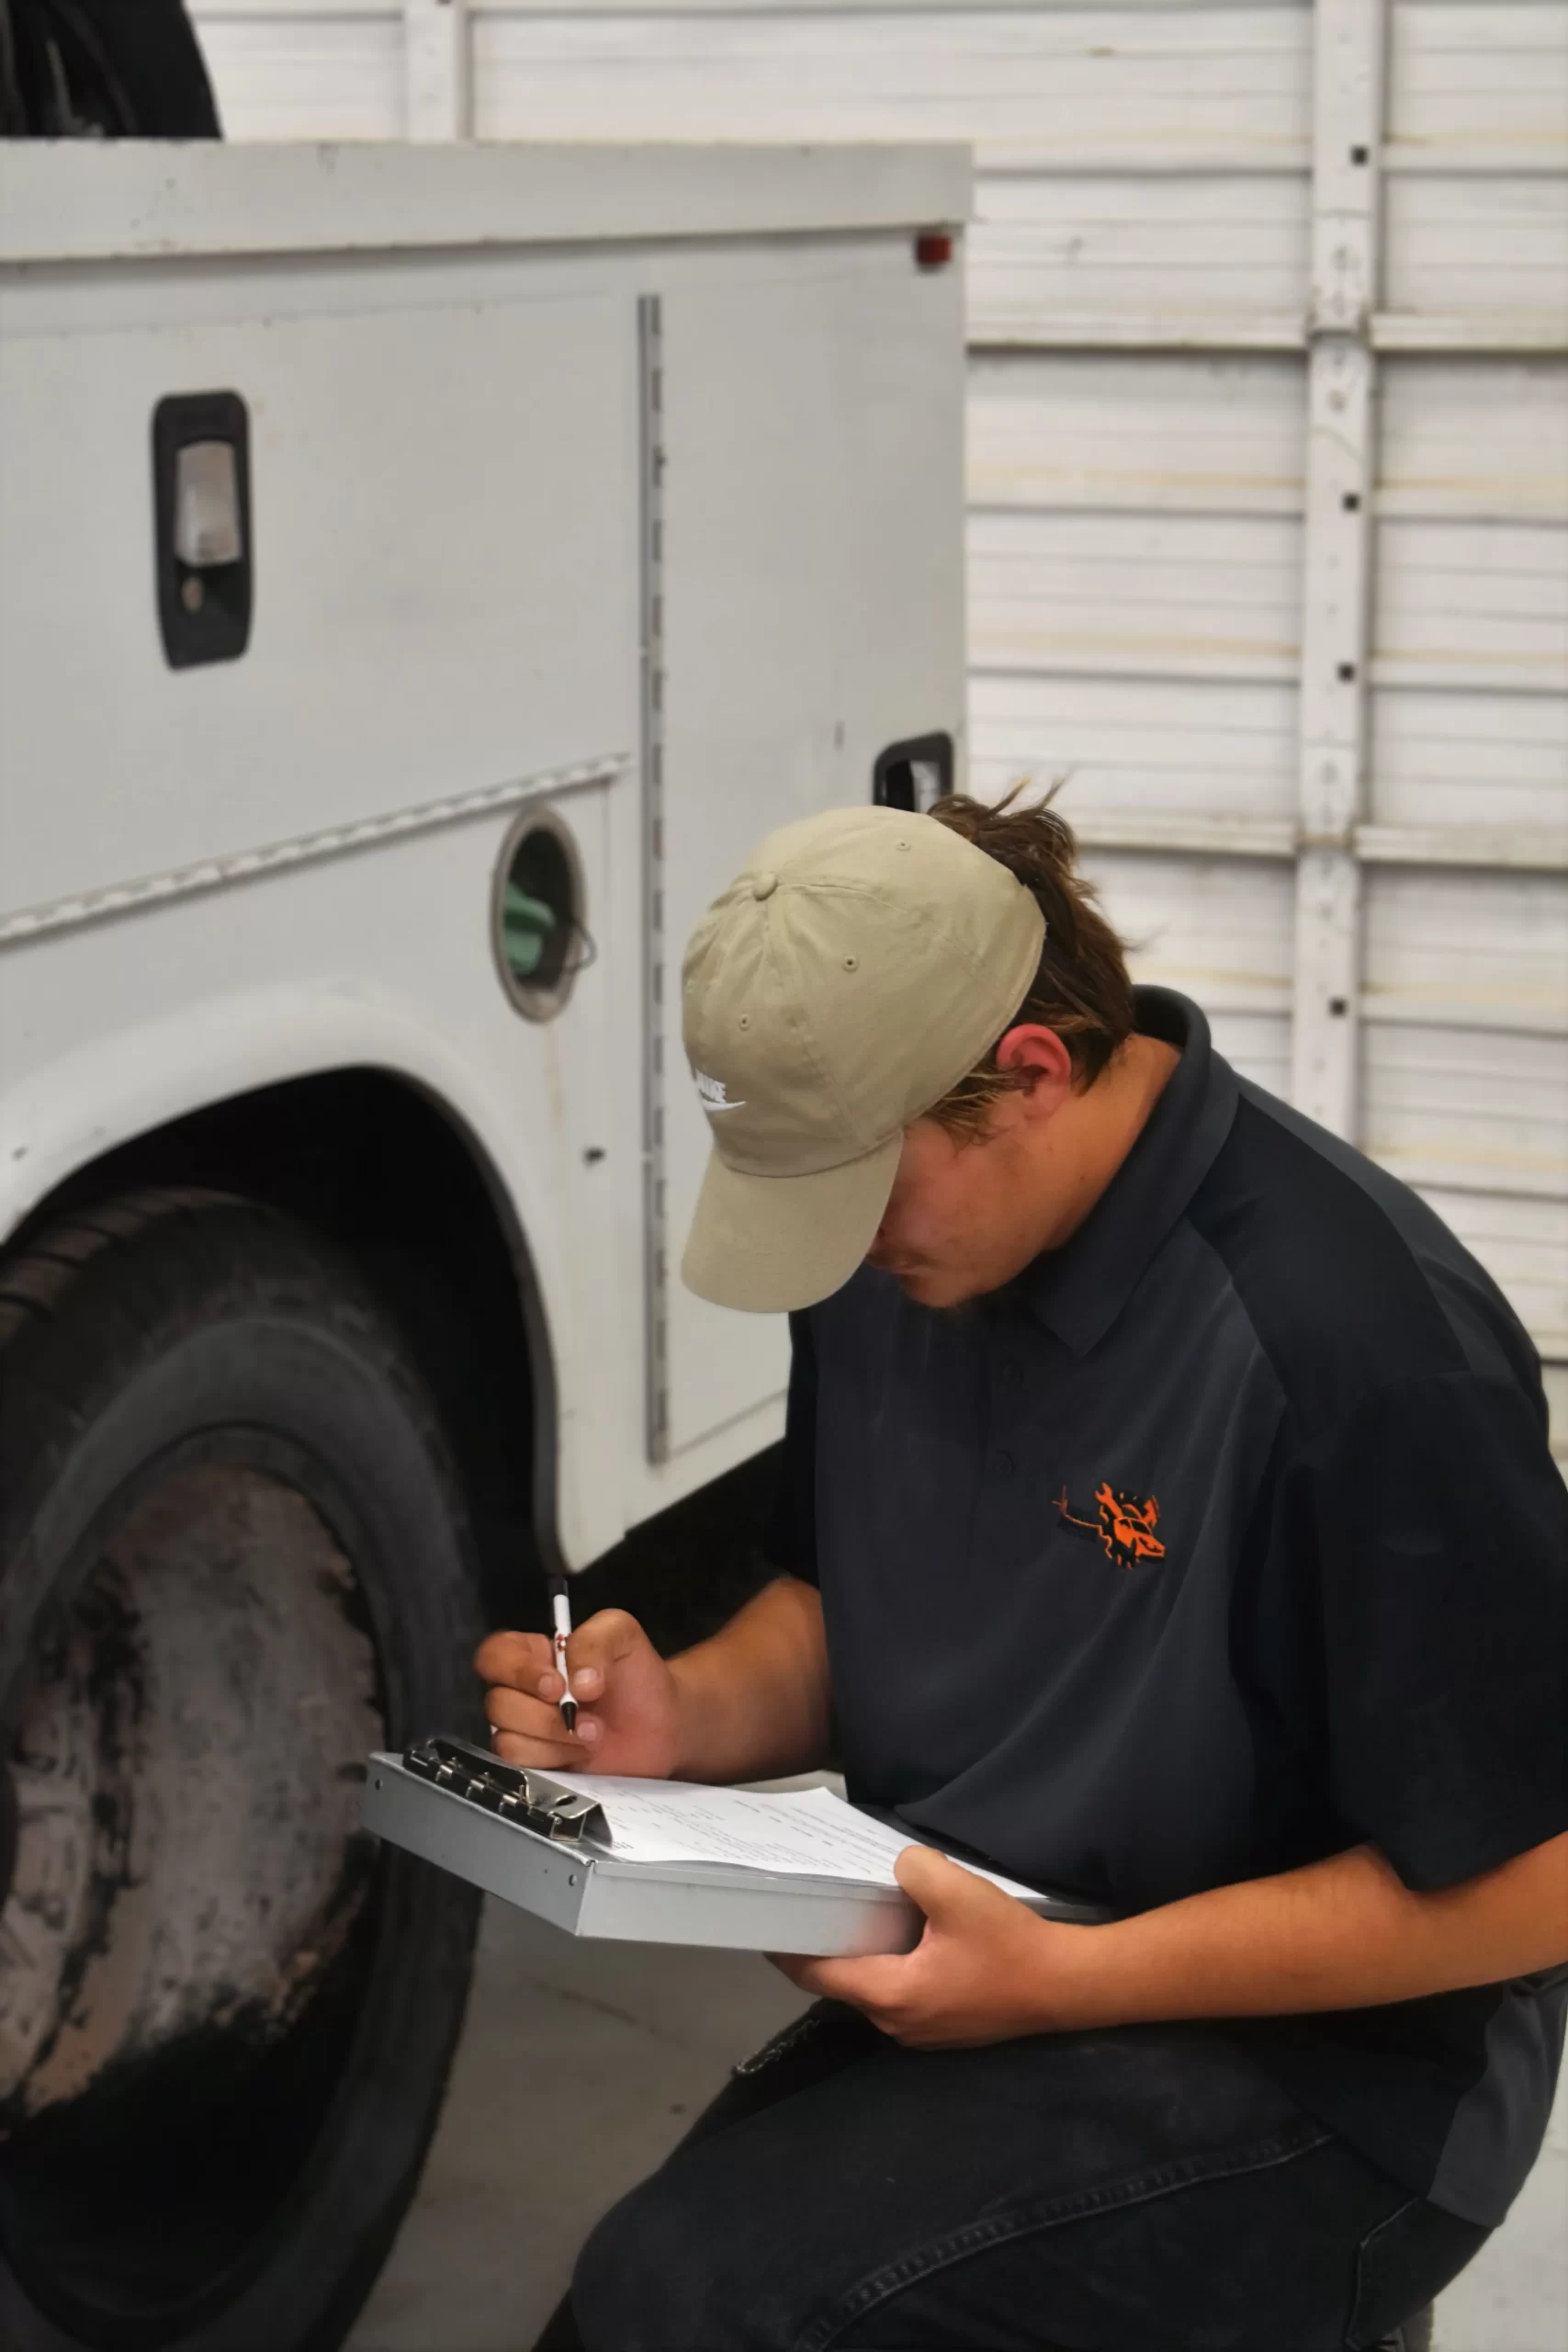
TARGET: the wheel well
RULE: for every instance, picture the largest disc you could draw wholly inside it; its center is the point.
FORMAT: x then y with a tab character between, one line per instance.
372	1161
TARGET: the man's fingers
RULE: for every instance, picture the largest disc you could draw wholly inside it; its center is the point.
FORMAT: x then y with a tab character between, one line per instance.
869	1984
593	1650
526	1661
559	1754
534	1719
791	1964
806	1973
518	1659
937	1885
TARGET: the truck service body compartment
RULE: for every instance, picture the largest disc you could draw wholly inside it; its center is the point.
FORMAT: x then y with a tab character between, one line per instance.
556	456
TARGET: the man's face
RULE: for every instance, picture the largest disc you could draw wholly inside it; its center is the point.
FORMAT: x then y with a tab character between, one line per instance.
964	1217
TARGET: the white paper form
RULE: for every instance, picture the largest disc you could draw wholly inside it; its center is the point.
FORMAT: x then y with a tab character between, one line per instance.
799	1833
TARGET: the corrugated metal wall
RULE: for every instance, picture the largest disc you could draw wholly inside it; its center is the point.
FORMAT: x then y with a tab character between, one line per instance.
1148	323
1464	1067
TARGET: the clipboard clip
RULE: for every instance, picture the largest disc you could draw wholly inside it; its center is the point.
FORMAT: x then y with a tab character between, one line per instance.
526	1798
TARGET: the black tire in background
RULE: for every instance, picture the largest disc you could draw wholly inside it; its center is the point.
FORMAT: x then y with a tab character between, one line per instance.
232	1559
102	69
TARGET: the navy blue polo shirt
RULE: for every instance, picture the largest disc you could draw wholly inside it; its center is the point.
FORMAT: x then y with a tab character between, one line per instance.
1221	1540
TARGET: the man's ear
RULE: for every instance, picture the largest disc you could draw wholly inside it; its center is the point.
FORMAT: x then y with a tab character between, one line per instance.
1037	1055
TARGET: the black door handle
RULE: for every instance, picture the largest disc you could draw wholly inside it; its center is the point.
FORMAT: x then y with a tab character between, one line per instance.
913	774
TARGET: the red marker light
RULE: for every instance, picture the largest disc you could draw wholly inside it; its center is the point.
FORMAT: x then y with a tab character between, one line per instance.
933	249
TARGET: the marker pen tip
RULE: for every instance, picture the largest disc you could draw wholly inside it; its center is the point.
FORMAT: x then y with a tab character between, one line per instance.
569	1713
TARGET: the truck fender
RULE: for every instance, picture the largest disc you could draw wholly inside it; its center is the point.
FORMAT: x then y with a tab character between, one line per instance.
129	1082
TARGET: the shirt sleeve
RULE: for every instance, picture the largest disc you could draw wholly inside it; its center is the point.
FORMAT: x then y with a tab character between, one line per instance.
789	1540
1440	1527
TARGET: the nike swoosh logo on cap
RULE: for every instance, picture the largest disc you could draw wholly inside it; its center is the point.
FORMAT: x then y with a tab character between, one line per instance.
711	1094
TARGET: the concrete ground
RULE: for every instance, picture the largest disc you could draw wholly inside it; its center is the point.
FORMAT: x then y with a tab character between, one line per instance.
578	2066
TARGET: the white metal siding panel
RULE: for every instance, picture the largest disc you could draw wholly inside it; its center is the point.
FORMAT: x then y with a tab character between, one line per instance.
1127	749
1480	247
1043	92
1484	951
1478	83
1472	485
1134	616
1464	1077
1137	433
1134	622
1477	200
1474	439
1035	87
1221	933
1464	1073
1478	605
1049	249
1178	596
282	70
1452	759
1524	1245
1468	1110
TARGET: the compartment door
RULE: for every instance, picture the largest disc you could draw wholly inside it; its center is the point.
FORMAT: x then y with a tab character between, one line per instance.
810	612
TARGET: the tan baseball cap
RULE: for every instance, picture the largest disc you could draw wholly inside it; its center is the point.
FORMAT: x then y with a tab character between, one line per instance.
861	963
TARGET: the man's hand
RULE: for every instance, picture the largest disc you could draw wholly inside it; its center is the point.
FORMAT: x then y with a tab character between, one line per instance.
627	1700
1344	1933
746	1706
982	1971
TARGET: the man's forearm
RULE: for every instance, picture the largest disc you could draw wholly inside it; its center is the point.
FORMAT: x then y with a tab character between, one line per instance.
754	1700
1339	1933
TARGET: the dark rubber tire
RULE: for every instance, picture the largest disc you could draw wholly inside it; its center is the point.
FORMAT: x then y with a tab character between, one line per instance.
130	69
170	1320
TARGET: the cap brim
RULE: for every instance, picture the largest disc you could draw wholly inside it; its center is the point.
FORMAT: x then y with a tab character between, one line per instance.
770	1244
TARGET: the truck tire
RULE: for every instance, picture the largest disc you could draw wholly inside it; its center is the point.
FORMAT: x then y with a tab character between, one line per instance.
102	69
232	1560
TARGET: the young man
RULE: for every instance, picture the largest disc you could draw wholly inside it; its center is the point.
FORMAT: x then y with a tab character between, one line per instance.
1168	1516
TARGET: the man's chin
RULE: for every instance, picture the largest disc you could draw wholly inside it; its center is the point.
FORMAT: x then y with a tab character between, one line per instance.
934	1286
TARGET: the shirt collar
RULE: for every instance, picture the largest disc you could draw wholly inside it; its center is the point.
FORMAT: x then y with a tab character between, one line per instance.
1079	1290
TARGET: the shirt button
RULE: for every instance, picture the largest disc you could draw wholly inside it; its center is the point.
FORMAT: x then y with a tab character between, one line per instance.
1012	1374
1003	1465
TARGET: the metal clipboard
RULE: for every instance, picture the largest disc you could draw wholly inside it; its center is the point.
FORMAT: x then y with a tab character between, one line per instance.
520	1837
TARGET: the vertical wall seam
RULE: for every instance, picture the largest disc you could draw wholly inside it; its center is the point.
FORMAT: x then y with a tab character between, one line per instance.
436	80
650	405
1350	40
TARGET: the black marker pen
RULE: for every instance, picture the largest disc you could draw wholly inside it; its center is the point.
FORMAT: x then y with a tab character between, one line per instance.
560	1610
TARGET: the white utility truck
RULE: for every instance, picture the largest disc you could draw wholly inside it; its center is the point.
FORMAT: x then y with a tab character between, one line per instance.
423	575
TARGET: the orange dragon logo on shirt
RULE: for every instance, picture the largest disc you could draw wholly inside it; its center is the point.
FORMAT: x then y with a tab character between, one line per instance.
1125	1524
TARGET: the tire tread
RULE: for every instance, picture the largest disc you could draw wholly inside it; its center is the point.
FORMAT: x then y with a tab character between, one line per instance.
139	1266
88	1302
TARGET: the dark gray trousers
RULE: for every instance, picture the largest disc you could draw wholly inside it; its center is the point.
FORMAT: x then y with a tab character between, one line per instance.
1146	2190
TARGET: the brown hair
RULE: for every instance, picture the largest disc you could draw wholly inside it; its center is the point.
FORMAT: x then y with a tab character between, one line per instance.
1081	989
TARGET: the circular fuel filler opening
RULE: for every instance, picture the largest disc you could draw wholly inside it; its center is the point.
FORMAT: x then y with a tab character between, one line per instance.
537	915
